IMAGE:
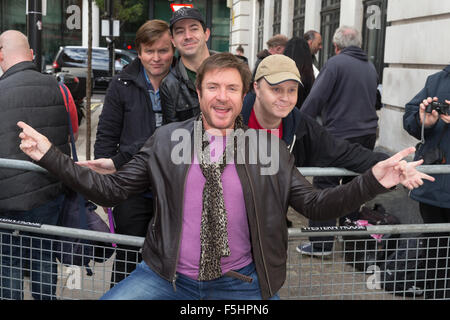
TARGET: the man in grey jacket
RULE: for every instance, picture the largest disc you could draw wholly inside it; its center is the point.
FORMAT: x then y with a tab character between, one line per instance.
219	231
344	95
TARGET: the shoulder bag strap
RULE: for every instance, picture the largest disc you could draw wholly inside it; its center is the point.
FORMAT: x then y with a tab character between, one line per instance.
81	200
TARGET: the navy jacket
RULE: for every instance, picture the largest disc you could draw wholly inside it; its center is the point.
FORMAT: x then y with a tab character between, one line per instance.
313	146
437	85
344	94
127	119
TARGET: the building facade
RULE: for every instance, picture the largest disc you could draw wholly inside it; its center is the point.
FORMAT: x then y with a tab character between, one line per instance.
404	39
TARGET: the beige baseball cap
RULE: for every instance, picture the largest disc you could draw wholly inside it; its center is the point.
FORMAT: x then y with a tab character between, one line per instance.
277	68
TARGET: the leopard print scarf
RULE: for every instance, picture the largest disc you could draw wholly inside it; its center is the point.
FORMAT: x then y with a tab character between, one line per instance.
213	234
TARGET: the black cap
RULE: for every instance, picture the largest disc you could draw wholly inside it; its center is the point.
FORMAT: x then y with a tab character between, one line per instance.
186	13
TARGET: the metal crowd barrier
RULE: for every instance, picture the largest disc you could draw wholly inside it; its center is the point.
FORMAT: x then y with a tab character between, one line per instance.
411	262
402	262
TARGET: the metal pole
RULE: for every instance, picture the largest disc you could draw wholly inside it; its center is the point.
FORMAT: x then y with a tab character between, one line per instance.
34	30
111	32
151	9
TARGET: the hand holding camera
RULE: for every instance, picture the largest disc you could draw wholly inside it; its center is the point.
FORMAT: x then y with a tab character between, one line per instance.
434	110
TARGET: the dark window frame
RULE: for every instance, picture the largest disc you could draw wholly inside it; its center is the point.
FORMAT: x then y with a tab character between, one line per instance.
298	20
276	26
380	36
329	22
260	25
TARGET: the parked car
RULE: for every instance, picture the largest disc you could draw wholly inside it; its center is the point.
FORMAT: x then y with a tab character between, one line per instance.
74	60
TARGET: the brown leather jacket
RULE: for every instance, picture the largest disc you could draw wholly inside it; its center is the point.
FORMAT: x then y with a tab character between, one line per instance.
267	198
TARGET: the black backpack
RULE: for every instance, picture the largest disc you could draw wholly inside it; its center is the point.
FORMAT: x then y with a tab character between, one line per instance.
403	272
364	251
418	267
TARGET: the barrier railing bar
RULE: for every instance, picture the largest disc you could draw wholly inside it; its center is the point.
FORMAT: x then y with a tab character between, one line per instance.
75	233
306	171
292	232
380	229
20	165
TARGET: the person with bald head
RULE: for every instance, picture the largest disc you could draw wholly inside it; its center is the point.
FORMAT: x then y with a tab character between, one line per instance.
25	93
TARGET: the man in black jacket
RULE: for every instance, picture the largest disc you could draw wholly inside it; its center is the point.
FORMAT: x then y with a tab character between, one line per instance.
189	251
131	114
189	36
344	95
28	196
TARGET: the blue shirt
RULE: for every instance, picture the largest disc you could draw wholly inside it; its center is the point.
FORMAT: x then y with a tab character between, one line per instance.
155	99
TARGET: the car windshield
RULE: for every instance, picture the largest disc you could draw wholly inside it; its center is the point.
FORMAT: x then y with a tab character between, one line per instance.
100	59
74	57
77	57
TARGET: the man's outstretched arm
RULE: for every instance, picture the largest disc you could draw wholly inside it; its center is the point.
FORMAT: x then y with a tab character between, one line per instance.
334	202
105	190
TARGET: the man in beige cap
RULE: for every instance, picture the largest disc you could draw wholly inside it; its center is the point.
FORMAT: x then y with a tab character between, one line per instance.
272	107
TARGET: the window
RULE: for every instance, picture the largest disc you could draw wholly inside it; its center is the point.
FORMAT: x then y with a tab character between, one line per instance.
374	32
298	21
261	25
277	17
329	17
220	20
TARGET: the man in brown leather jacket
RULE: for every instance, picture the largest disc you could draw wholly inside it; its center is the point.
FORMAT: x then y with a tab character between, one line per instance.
219	229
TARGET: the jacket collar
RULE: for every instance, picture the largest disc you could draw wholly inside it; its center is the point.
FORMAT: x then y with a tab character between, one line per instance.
290	122
447	69
18	67
181	68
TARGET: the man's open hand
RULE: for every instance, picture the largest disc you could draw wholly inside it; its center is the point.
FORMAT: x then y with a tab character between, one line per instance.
395	170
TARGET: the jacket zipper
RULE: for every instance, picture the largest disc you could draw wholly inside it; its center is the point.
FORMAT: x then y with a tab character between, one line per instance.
259	231
156	217
291	147
174	278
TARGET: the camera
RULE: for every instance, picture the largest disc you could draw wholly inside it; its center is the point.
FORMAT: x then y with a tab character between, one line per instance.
441	108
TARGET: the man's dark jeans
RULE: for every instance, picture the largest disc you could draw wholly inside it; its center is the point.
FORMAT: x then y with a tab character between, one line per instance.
131	217
29	252
326	243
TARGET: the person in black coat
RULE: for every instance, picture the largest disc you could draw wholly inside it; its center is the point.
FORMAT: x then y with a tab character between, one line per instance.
29	196
298	50
131	114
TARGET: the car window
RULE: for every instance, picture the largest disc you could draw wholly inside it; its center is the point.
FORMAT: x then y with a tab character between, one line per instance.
121	61
76	57
100	59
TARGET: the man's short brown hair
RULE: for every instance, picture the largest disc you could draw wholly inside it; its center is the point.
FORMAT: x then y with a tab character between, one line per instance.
150	32
224	60
277	40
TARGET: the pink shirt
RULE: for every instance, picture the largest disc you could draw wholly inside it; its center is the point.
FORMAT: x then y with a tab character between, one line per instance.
238	230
